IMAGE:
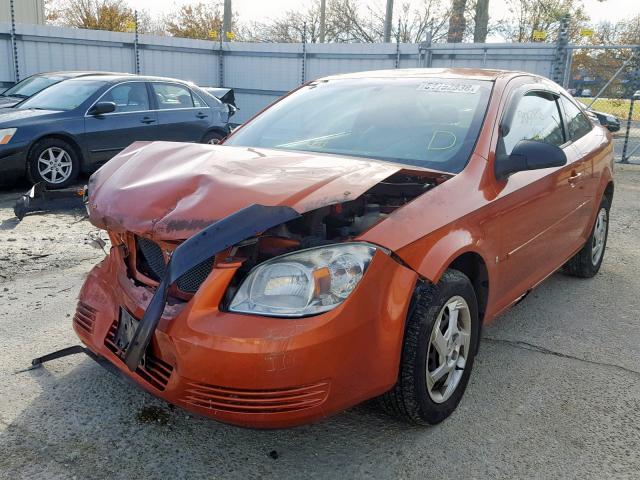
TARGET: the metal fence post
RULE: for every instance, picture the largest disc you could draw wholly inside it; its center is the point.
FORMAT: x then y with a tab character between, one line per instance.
220	62
14	42
560	59
424	52
567	69
397	64
304	52
634	86
136	50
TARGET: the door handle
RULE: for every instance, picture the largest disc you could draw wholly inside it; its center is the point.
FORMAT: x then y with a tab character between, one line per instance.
201	115
147	120
575	176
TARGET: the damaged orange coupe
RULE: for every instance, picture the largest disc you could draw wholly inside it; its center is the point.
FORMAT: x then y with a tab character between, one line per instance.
347	243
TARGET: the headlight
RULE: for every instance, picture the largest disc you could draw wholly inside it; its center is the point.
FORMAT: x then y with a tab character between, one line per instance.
611	118
6	134
304	282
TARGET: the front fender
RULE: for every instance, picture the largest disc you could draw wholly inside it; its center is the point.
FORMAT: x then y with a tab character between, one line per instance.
432	255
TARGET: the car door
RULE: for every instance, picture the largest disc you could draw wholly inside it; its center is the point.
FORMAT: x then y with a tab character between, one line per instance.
182	115
530	207
133	120
586	140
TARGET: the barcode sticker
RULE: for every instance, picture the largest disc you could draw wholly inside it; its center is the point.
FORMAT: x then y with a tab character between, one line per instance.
448	87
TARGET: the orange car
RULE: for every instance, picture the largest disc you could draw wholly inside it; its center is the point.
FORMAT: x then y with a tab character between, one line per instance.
347	243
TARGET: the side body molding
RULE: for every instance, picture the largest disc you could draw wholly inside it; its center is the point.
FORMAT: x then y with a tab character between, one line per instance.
209	241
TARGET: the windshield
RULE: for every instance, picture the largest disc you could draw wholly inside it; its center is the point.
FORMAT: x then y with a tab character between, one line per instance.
30	86
430	123
64	95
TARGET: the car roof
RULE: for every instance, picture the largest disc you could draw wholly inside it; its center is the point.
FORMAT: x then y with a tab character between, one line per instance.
76	74
116	77
461	73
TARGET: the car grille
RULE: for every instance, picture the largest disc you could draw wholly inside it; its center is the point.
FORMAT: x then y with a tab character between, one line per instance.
231	400
85	317
153	370
151	262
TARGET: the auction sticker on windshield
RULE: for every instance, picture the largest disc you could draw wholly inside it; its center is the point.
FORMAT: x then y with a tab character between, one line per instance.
448	87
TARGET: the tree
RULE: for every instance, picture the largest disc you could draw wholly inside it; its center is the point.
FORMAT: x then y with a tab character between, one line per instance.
457	21
481	21
113	15
348	21
428	19
198	20
291	26
540	15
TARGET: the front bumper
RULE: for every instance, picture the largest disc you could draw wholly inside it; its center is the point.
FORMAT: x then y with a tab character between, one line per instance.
250	370
13	159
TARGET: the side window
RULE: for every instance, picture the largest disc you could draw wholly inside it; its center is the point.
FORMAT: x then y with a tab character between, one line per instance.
197	101
577	123
128	97
537	117
171	96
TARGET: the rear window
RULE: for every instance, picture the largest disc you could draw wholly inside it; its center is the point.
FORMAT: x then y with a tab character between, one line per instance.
171	96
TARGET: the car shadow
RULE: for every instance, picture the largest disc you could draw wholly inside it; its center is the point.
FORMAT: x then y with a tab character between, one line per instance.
87	415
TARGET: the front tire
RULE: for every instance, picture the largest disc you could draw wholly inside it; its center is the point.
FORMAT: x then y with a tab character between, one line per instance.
53	162
586	263
440	343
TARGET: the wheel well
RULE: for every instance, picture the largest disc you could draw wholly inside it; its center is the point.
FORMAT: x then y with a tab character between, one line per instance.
474	267
64	138
608	192
219	130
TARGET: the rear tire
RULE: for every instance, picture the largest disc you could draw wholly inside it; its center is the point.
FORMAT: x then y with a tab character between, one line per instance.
440	343
53	162
213	138
586	263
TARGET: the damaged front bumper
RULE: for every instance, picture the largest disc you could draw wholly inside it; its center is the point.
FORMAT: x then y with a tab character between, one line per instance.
250	370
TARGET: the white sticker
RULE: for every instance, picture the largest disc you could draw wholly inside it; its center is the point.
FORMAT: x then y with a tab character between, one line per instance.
448	87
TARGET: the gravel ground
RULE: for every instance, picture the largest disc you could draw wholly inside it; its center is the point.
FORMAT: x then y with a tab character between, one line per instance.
555	391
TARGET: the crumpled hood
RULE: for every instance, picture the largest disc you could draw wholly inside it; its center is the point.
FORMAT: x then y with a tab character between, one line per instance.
172	190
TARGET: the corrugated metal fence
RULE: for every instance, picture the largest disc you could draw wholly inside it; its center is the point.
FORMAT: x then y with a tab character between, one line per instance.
260	72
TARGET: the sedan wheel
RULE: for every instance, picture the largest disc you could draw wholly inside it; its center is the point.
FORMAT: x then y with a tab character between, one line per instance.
53	162
213	138
55	165
449	347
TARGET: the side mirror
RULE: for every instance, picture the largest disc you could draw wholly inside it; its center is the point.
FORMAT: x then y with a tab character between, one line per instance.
101	108
528	155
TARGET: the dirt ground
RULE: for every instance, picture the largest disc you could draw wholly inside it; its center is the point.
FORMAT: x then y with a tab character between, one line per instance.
555	391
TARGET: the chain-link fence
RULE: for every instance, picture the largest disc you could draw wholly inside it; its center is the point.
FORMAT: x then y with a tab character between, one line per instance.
605	80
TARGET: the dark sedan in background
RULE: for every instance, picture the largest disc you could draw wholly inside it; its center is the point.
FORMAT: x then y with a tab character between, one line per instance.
610	122
79	124
28	87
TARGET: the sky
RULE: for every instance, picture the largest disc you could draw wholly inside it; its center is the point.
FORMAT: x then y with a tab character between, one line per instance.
260	10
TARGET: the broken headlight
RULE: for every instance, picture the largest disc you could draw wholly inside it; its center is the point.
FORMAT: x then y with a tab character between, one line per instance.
305	282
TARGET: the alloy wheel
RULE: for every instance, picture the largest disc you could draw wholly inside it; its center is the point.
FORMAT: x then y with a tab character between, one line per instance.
599	236
449	347
54	165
